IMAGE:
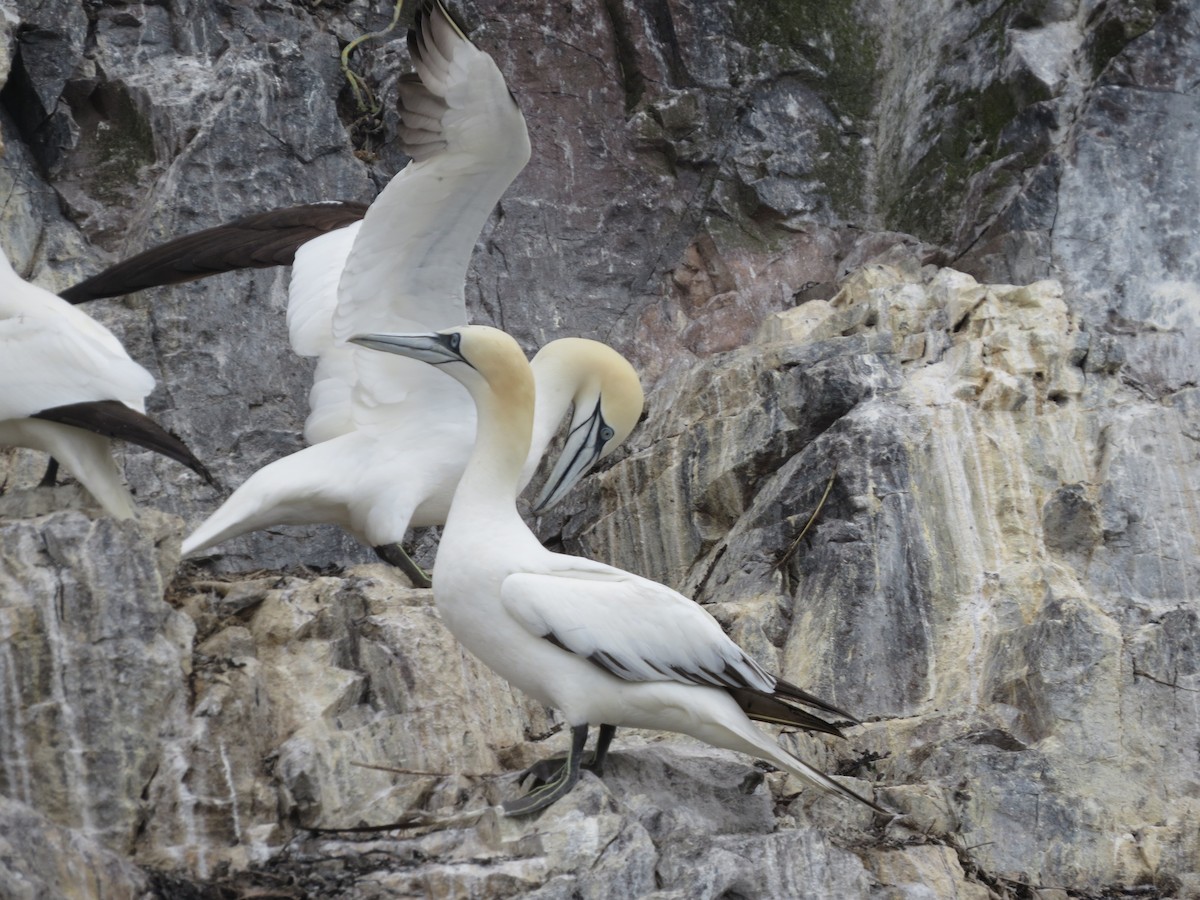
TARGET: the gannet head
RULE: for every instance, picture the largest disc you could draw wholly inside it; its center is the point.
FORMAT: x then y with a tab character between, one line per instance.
484	359
607	401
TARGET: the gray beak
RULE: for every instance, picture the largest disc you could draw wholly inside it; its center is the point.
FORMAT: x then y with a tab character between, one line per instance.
433	348
582	449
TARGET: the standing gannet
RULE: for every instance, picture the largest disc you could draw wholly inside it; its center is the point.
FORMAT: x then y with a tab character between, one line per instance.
602	645
67	387
390	438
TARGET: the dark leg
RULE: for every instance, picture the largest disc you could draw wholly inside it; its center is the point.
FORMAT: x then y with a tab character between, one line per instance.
568	775
395	555
51	477
545	770
603	739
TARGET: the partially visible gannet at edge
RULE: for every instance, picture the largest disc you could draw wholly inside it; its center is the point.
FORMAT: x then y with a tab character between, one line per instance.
604	646
67	387
390	437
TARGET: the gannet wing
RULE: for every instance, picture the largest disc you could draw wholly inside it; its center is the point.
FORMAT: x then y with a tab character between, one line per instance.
312	299
353	388
639	630
256	241
408	264
633	628
113	419
468	141
46	364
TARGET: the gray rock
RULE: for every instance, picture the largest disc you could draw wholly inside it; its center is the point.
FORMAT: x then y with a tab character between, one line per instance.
998	581
40	859
93	666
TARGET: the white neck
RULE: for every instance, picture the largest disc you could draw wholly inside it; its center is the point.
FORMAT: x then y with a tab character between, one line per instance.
555	395
492	478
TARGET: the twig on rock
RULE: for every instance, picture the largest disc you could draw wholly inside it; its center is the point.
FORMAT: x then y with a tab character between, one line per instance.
787	554
1173	683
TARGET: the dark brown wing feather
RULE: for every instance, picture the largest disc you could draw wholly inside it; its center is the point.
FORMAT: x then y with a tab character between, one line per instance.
114	419
788	691
257	241
765	708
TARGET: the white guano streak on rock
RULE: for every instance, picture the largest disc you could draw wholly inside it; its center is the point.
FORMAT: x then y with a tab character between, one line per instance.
982	438
14	755
175	769
227	771
74	761
1183	500
954	455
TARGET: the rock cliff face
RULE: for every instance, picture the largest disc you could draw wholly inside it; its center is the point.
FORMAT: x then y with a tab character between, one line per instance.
938	259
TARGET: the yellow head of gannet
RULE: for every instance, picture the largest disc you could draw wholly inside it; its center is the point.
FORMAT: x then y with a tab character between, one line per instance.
607	400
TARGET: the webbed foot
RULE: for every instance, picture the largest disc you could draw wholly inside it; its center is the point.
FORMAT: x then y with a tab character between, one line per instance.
562	777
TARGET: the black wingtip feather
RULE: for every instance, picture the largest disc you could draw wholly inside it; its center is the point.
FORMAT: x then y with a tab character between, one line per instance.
114	419
774	711
426	10
256	241
791	692
414	50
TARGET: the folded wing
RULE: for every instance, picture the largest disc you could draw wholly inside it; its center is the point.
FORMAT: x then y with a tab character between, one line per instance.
639	630
46	364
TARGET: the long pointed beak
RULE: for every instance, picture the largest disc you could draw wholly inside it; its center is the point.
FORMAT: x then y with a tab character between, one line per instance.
582	449
433	348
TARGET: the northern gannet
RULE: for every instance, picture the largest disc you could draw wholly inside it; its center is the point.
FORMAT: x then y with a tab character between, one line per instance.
67	387
602	645
389	437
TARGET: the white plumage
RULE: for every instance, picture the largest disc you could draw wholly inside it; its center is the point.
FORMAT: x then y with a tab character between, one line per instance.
53	355
390	437
604	646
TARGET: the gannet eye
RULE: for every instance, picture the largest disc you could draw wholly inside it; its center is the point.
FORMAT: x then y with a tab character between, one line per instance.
606	433
455	340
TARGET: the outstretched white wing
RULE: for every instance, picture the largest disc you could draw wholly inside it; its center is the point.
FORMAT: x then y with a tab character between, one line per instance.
634	628
404	268
468	139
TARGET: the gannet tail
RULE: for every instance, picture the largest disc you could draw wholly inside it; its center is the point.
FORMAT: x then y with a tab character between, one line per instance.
734	731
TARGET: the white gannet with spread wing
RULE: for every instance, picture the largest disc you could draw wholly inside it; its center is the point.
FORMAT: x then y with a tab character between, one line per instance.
390	437
602	645
377	481
67	387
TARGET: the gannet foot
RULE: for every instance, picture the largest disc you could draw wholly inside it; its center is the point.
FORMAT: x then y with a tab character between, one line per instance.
544	771
547	770
564	778
396	555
